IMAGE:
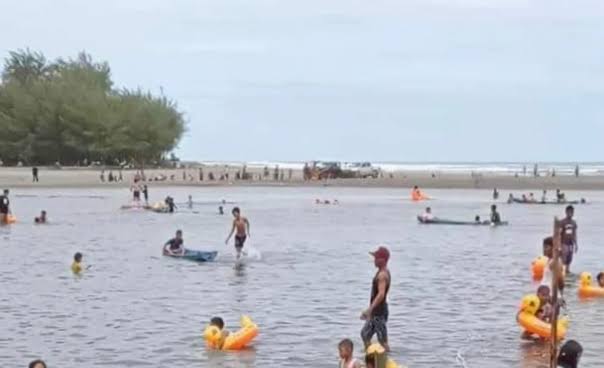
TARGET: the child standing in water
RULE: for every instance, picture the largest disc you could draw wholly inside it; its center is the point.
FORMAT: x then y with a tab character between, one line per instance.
241	228
346	349
545	309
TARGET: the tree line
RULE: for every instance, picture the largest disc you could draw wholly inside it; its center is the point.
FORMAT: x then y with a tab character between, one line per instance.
69	111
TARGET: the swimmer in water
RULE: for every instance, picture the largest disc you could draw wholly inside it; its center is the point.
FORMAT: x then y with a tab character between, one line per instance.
190	202
37	364
570	354
241	226
545	309
77	266
600	279
219	323
220	210
41	219
175	246
427	215
346	350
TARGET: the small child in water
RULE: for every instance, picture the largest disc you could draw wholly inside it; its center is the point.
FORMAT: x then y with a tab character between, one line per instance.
600	279
76	266
346	349
41	219
369	361
218	322
545	309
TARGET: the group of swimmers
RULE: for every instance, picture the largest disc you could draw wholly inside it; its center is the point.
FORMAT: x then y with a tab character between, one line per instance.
530	198
5	210
571	351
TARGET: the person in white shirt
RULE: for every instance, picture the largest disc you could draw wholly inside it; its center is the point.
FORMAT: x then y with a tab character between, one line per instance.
427	215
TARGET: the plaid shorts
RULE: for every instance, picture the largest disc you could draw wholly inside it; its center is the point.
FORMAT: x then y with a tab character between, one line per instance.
375	326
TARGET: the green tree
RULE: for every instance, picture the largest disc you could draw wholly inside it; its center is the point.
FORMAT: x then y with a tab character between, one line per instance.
68	111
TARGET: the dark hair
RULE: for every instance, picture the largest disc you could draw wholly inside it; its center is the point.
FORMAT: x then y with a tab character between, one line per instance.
77	256
543	288
570	208
549	241
570	353
43	212
346	343
179	231
493	207
236	210
600	276
218	322
5	190
35	362
370	359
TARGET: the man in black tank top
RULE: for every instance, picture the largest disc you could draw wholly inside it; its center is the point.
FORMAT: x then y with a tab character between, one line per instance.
376	316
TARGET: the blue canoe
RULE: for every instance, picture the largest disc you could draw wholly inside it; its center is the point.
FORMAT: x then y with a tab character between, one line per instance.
196	255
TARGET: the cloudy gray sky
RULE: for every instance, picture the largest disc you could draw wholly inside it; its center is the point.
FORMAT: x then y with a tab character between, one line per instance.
413	80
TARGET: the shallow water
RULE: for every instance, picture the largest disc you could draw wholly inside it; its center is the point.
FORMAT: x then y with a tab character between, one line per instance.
453	298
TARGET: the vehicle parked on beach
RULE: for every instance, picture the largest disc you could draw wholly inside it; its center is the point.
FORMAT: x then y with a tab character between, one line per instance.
360	170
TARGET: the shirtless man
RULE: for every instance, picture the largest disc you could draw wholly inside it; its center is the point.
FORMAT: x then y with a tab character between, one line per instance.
242	226
136	191
568	228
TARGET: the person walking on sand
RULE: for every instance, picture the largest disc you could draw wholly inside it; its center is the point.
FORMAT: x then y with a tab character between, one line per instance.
376	316
34	174
241	228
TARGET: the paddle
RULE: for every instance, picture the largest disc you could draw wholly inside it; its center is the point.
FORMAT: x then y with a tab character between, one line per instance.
555	279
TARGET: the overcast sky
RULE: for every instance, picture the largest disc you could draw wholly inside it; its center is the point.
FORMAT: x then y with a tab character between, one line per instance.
413	80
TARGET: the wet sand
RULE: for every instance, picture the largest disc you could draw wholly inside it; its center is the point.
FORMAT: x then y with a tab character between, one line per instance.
90	178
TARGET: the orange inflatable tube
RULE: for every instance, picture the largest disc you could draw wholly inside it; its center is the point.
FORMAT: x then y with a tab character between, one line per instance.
542	329
10	219
538	267
526	319
586	289
235	340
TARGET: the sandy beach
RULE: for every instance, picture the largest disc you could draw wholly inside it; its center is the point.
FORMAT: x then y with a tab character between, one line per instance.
21	177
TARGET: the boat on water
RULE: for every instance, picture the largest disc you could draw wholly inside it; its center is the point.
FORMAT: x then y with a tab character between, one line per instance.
525	201
439	221
194	255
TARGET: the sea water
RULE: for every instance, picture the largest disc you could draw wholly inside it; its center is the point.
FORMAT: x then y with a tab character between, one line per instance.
454	295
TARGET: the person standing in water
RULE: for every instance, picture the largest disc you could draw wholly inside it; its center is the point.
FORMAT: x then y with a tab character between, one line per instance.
4	207
146	193
136	191
495	194
241	228
568	237
495	216
34	174
376	316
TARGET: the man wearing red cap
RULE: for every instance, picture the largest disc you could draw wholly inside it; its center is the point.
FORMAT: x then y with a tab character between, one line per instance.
377	315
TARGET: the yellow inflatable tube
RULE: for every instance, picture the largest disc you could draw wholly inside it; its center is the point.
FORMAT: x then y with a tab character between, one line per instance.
235	340
527	320
586	289
380	354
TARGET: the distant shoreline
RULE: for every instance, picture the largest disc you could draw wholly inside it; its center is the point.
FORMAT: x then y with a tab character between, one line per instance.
11	177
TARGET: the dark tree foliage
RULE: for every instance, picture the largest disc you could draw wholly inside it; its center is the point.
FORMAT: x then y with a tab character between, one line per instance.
68	111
